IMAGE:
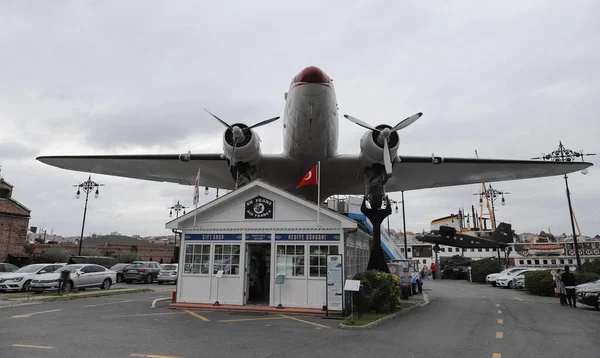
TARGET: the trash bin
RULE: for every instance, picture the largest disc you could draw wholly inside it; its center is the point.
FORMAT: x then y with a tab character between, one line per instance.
414	288
405	291
420	284
65	276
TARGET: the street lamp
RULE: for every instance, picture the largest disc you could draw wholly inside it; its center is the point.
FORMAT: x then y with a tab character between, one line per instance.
177	208
403	221
563	154
492	195
87	186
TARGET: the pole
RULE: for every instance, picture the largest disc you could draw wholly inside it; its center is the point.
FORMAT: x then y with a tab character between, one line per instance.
404	226
573	225
87	193
318	191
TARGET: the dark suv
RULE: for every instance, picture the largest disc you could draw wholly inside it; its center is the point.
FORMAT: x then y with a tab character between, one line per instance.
589	294
145	271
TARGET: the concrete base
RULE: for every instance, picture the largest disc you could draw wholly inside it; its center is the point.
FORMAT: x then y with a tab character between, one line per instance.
250	308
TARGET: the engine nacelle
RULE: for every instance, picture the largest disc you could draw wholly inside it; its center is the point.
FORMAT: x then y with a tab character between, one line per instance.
371	147
247	149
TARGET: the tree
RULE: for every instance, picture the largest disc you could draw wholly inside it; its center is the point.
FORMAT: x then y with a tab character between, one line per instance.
90	251
56	254
128	257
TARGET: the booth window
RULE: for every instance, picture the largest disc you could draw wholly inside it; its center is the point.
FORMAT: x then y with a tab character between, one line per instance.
318	259
290	260
197	258
227	258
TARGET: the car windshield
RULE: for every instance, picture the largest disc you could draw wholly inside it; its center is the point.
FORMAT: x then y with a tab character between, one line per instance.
136	265
29	269
71	268
169	267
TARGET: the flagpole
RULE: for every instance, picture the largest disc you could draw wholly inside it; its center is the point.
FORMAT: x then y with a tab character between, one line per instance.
318	191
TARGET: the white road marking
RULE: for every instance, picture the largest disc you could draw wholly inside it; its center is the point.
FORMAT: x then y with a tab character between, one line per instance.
26	315
110	303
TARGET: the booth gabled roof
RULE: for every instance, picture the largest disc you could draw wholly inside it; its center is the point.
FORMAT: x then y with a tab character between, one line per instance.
347	223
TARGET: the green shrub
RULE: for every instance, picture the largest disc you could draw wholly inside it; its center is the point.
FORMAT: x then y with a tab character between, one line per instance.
481	268
89	251
539	283
585	277
593	266
56	254
380	291
128	256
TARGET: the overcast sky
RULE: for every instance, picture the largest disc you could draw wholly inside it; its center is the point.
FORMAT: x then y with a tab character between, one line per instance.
133	77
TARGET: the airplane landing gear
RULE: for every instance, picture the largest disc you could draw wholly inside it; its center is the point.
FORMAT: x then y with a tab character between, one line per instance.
376	177
376	216
242	173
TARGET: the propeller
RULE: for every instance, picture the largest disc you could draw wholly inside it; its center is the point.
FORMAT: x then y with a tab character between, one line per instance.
384	135
239	133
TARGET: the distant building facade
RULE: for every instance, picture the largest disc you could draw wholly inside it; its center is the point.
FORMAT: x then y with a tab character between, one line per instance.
14	221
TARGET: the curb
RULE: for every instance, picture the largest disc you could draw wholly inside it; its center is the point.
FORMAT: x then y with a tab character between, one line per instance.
393	315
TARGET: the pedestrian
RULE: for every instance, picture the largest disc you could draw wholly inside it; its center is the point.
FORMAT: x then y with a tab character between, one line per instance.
425	272
560	288
432	268
568	280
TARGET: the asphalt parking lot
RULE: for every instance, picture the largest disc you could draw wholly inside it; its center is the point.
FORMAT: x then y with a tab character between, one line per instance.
127	326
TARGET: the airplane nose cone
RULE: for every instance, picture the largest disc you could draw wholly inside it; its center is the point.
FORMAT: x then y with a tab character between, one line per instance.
312	74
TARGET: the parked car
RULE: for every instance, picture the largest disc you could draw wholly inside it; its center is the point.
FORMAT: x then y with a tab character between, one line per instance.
118	268
105	261
145	271
20	280
491	278
4	267
168	273
81	276
589	294
506	279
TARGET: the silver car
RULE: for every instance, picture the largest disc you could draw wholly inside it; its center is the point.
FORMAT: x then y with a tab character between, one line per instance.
81	276
168	273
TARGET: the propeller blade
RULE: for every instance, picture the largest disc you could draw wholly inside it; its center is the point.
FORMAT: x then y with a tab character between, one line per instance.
360	123
407	122
387	160
264	122
220	120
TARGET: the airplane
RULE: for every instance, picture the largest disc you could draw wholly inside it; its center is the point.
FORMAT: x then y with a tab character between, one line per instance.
310	135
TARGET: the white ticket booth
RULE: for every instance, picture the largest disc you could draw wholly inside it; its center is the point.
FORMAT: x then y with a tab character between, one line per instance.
253	235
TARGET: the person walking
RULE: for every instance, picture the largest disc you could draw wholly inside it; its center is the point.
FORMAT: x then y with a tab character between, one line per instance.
560	287
425	272
568	280
432	269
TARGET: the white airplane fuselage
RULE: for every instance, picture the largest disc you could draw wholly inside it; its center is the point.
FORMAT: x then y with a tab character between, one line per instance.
310	127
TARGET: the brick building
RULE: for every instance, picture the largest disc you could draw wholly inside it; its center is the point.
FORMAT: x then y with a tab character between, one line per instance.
14	221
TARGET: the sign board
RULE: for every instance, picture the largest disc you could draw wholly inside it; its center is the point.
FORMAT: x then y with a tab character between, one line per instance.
219	274
307	237
258	208
352	285
258	237
213	237
335	293
279	279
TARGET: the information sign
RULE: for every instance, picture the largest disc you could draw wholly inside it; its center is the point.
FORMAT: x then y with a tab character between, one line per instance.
352	285
279	279
335	293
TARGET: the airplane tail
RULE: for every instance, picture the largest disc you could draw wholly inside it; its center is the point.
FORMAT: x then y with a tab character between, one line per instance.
503	233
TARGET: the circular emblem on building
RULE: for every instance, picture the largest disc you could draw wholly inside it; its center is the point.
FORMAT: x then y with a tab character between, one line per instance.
259	208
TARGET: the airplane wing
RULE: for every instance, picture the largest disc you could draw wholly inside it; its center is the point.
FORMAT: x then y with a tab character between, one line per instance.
344	173
155	167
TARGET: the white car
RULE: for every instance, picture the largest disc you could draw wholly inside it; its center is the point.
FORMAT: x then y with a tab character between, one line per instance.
168	273
506	280
20	280
81	276
491	278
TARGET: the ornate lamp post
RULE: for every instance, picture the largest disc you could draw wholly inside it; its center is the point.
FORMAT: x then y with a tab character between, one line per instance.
563	154
492	194
177	208
87	186
403	221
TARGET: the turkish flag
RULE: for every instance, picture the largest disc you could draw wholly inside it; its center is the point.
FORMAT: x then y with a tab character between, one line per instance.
309	178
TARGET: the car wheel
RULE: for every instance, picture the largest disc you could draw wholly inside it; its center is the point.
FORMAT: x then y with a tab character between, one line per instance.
106	284
128	282
148	278
26	286
494	283
119	278
510	285
160	282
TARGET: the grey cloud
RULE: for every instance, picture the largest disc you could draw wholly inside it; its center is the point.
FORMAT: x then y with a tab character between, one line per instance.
14	150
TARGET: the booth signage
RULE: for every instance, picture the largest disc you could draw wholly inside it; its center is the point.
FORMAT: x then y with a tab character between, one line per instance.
307	237
214	237
259	208
258	237
335	288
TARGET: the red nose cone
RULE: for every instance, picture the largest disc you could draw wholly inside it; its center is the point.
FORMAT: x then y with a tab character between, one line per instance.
312	74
